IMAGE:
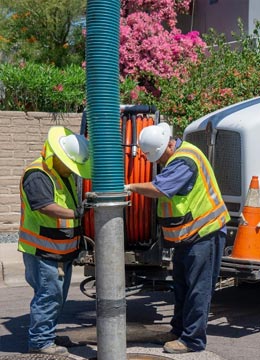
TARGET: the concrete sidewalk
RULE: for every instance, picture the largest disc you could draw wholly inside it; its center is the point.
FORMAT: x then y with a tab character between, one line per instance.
12	267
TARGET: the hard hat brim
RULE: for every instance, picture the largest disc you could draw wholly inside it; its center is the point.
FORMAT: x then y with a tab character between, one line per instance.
54	135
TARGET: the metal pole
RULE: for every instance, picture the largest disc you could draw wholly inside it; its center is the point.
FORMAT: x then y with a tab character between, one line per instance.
103	114
110	282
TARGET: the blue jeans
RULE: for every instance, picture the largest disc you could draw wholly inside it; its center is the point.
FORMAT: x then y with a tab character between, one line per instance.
50	293
195	271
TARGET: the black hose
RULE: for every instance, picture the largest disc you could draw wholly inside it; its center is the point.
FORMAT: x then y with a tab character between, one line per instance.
130	290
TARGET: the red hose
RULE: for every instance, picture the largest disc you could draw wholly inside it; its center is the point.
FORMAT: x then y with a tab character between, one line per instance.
137	169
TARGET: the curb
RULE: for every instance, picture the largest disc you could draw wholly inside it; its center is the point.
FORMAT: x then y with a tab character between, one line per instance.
12	267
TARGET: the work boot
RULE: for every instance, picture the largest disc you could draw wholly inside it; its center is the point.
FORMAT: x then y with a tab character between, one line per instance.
164	337
176	347
65	341
53	349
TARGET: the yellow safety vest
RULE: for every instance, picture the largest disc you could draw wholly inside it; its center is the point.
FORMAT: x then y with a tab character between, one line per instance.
42	234
197	214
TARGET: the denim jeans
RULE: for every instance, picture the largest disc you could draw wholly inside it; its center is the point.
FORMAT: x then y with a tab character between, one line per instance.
50	293
195	271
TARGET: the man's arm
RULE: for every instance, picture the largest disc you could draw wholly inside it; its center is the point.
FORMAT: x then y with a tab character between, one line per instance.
57	211
146	189
178	177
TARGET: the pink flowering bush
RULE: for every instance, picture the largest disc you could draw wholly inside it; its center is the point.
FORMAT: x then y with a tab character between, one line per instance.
160	10
150	41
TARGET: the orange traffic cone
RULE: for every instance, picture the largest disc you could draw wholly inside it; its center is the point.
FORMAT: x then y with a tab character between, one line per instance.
247	241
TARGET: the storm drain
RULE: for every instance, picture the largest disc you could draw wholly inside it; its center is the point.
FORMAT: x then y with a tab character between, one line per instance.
62	357
35	357
141	357
145	357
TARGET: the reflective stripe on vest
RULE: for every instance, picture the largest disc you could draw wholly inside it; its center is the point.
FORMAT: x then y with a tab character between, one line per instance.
46	244
209	184
213	198
180	233
211	220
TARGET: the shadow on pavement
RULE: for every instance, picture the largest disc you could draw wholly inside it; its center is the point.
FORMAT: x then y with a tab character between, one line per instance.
235	312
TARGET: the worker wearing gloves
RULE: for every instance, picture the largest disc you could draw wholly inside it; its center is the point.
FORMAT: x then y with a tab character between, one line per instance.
192	215
50	231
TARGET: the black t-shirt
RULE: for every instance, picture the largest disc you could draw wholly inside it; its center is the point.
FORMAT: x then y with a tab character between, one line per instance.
38	188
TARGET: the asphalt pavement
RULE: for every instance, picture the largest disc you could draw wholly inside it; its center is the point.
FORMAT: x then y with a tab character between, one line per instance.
233	328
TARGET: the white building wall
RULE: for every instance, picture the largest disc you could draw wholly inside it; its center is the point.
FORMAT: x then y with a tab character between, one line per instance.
253	14
222	15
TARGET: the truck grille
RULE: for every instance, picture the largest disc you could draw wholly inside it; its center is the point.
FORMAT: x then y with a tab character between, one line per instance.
227	158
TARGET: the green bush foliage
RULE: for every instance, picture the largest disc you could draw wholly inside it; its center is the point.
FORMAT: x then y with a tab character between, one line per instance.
225	74
34	87
42	31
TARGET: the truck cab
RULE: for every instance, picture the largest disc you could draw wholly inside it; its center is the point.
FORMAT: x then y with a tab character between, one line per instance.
229	137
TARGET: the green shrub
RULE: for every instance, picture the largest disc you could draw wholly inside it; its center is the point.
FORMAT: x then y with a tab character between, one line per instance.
34	87
226	74
223	76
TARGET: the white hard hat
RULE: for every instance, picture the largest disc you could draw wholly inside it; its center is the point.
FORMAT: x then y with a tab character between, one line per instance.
153	140
76	147
72	149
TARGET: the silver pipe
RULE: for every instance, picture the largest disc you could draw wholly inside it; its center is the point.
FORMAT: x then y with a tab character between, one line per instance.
110	282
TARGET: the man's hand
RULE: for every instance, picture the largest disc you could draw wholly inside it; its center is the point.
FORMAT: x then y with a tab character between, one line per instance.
127	188
79	212
146	189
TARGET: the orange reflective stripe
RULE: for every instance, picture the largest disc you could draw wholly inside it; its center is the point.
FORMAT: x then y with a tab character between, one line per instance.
222	221
43	152
166	210
199	219
61	246
63	223
63	252
179	233
22	212
22	203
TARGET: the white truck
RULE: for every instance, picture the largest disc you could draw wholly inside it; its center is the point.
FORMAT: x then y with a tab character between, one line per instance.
230	138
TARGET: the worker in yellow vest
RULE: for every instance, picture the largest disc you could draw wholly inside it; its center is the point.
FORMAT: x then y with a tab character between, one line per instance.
50	231
193	218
